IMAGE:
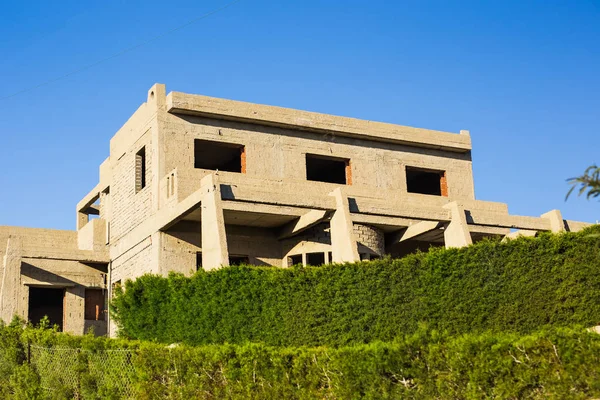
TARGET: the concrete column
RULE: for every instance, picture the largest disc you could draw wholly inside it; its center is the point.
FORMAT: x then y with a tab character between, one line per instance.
557	224
343	242
457	233
214	241
10	279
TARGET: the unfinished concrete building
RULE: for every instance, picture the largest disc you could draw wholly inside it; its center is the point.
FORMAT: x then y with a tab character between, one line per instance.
197	182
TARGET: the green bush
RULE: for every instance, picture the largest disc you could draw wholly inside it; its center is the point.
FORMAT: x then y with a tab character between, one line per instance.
518	286
559	363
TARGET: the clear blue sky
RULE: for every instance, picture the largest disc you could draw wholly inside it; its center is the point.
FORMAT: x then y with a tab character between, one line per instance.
522	76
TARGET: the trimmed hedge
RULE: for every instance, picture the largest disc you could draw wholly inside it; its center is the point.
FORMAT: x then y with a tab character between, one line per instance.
553	364
519	286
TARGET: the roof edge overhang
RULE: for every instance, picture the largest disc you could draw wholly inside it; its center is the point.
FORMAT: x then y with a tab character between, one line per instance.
188	104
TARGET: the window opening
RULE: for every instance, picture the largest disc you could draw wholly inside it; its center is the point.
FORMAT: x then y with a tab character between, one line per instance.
426	182
239	260
140	169
228	157
315	259
295	259
328	169
94	304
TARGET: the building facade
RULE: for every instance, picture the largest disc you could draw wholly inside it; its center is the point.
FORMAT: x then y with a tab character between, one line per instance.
197	182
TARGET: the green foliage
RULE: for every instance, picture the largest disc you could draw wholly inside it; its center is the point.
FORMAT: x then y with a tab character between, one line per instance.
588	182
517	286
558	363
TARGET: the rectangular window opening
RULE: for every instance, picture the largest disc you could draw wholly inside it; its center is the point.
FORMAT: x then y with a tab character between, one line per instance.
239	260
315	259
94	304
295	259
228	157
140	169
425	181
328	169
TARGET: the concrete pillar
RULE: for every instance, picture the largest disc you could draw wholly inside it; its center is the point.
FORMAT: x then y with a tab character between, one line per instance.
10	279
343	243
457	232
557	224
214	241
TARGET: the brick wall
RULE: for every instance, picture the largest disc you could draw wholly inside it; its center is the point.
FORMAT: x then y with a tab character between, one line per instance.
371	240
130	207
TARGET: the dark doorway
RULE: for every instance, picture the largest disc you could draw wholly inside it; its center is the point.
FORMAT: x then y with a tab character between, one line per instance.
46	301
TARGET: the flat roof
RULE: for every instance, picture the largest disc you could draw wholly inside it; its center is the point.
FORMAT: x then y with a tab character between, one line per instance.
191	104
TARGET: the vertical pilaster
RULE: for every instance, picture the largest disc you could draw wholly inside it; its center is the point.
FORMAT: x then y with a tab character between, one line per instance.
214	240
557	224
343	242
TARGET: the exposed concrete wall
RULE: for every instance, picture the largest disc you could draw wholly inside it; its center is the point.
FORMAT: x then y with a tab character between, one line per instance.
279	154
129	208
10	283
259	244
135	262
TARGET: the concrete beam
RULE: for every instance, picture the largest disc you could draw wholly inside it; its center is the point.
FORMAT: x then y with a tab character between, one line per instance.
479	217
414	231
309	219
457	232
214	240
576	226
343	243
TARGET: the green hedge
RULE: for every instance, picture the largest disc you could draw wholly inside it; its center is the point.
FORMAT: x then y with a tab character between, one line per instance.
519	286
552	364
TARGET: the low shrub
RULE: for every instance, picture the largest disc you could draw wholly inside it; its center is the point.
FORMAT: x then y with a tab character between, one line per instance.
558	363
518	286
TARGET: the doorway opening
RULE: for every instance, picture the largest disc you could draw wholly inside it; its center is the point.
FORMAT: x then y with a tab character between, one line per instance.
46	302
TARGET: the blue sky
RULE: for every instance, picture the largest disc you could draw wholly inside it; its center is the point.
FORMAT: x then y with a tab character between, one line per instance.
522	76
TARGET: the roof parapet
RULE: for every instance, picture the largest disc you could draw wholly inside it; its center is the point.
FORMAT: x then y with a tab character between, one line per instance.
182	103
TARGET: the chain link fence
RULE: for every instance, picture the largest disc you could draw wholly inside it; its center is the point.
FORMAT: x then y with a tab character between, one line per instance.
75	372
